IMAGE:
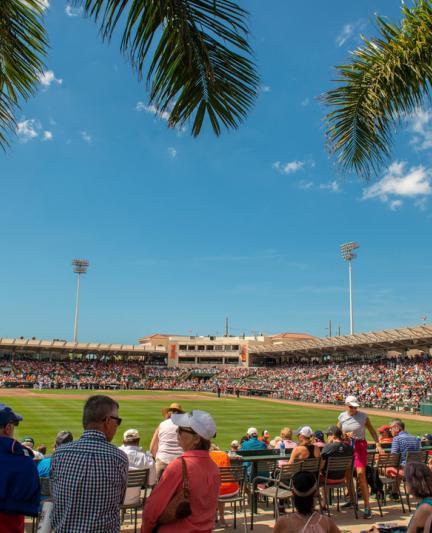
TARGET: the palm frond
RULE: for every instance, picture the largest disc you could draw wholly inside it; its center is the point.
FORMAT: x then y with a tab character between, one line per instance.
387	78
200	63
23	44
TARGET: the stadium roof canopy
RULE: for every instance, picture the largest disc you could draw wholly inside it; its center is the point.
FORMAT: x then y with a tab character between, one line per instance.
399	339
72	347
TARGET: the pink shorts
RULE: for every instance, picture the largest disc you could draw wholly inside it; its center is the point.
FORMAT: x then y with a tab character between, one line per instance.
360	453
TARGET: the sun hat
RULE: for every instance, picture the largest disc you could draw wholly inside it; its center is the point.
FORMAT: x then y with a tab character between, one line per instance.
173	408
383	428
304	484
266	433
200	421
235	444
131	434
252	431
7	416
306	431
28	439
352	401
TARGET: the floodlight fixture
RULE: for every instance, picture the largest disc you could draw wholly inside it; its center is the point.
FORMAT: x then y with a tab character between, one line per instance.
347	251
79	266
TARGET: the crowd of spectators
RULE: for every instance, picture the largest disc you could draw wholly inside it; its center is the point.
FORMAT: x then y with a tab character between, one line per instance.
400	383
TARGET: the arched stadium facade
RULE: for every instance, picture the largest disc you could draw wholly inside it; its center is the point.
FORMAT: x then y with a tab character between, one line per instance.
261	350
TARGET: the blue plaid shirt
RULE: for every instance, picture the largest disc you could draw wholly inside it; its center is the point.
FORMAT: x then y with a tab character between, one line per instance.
88	484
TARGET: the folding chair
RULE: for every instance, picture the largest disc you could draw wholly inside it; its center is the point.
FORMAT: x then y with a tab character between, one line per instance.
235	474
328	483
386	461
420	456
137	479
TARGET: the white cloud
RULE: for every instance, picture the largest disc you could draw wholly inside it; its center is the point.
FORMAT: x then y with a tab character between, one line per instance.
332	186
420	124
48	77
27	130
73	11
152	109
265	88
172	152
305	102
86	137
289	167
345	34
397	183
305	185
47	136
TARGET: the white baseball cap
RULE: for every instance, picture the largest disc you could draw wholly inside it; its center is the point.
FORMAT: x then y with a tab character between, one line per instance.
352	401
252	431
306	431
200	421
131	434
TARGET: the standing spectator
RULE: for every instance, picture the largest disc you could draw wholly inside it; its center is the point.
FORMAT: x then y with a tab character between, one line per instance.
305	449
89	476
195	431
164	445
19	480
253	443
354	423
138	458
44	467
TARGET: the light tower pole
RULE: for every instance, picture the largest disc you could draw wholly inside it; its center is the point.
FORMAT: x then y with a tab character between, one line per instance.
347	251
80	266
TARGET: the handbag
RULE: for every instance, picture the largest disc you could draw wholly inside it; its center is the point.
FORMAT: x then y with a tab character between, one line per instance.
179	507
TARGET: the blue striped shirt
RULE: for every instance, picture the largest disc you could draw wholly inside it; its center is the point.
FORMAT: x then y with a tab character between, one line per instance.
403	443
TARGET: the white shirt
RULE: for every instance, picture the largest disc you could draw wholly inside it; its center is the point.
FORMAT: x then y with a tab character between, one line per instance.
140	460
168	447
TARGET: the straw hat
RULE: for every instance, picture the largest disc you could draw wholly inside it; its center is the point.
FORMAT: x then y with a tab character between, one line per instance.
173	408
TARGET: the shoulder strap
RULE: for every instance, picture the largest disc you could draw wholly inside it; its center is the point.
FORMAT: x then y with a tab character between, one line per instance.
307	523
185	479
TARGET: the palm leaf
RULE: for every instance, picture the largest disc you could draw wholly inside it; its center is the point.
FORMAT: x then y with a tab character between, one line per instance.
23	43
200	62
387	78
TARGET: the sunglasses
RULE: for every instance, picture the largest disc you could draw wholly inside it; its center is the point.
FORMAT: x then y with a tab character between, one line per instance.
186	430
117	419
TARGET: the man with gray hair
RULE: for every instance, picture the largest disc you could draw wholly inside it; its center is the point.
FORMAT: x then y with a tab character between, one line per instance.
89	476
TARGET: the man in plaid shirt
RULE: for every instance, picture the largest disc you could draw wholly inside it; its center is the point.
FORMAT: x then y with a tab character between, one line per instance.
89	476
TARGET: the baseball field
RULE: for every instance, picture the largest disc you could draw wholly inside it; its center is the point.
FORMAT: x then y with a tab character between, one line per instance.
47	412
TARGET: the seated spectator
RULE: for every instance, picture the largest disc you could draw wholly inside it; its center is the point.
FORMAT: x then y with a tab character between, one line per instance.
385	436
226	489
235	446
29	443
195	431
253	443
19	480
306	519
402	443
44	467
286	437
265	437
274	443
42	449
305	448
319	439
419	484
137	457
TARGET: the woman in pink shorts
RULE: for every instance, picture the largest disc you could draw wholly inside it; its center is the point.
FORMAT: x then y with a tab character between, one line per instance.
354	423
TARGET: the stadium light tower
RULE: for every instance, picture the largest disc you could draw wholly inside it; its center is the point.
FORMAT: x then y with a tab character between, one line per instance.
80	266
347	251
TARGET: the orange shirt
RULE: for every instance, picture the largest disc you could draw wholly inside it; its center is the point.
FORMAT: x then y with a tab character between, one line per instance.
222	459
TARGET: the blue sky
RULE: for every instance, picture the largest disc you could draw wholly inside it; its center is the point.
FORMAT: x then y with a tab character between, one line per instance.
182	232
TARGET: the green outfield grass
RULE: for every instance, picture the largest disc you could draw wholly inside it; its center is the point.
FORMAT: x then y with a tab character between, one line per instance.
44	417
